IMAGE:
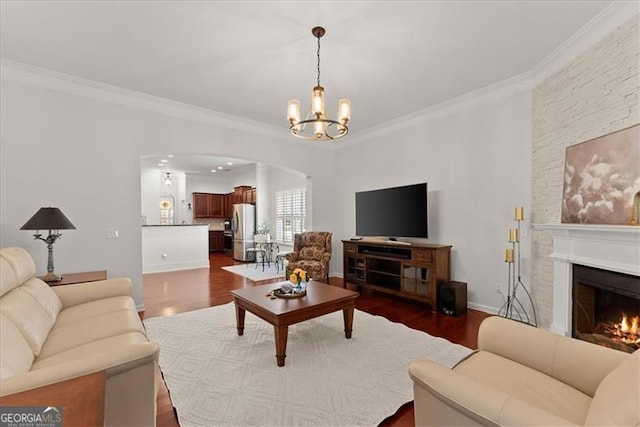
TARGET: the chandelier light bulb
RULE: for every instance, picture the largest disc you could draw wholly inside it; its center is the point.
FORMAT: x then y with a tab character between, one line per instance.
319	129
293	111
317	102
344	111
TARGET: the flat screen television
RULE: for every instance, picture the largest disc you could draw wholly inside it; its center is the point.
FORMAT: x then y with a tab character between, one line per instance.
393	212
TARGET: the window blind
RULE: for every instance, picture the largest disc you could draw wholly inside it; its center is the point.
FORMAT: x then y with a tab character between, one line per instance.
291	212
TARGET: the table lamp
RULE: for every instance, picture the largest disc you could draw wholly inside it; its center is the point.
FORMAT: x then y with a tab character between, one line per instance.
54	220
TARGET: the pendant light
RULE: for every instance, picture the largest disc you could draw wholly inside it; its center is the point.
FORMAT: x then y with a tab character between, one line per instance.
316	126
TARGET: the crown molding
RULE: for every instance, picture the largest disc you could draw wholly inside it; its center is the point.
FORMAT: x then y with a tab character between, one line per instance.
488	94
610	18
66	83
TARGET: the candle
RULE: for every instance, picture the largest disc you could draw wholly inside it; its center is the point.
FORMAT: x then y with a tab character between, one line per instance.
508	256
513	235
519	213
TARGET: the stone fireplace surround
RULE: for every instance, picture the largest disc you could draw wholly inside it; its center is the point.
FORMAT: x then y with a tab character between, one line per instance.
608	247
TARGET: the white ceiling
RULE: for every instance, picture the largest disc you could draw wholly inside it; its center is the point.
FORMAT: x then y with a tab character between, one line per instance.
198	164
248	58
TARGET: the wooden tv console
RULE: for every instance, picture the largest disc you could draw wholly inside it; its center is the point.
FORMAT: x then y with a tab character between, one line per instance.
413	271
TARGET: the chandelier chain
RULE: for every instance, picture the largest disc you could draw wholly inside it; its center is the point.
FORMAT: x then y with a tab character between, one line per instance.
318	54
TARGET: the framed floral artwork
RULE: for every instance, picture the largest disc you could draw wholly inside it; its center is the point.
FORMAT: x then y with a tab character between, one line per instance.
602	179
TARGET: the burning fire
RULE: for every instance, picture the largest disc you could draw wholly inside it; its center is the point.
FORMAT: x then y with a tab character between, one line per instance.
628	332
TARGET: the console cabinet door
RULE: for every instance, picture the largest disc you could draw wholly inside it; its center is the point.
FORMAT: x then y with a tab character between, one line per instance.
416	279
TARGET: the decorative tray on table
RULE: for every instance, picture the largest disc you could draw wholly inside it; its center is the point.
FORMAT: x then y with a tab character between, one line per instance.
281	294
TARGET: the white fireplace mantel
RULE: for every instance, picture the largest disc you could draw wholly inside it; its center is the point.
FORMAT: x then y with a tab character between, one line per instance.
608	247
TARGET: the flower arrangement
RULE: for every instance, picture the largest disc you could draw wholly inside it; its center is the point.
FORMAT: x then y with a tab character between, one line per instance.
298	275
264	228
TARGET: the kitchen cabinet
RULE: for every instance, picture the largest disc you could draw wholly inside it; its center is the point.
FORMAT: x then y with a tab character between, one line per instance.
208	205
245	194
216	241
228	205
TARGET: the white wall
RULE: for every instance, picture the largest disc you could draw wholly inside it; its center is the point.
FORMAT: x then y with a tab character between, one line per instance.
201	184
82	155
476	161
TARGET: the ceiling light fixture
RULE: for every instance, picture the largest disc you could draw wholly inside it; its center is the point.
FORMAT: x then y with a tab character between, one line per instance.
322	128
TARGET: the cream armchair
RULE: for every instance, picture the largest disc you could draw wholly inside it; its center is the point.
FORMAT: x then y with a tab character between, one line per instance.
312	253
521	375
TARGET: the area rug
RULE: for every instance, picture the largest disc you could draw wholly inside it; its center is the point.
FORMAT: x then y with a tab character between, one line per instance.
256	274
217	378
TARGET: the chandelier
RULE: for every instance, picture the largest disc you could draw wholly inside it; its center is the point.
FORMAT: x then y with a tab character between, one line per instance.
316	126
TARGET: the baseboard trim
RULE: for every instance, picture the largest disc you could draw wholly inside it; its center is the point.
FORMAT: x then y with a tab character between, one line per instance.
164	268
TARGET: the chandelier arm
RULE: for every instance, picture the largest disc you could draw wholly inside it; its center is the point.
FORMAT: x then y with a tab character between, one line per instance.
298	130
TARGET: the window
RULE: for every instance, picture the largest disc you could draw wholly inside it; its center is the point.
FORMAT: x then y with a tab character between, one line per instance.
291	214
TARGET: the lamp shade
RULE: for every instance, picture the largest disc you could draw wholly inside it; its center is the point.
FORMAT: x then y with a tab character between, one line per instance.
48	219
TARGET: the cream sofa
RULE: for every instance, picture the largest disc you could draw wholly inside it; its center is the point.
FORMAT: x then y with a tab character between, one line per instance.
521	375
50	334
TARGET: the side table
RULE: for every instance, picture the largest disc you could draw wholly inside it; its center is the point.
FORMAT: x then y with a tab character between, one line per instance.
81	399
86	276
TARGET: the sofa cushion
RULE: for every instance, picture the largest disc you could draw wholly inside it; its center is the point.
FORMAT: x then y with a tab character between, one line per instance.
526	384
29	316
16	267
87	330
16	355
42	293
80	312
616	399
77	354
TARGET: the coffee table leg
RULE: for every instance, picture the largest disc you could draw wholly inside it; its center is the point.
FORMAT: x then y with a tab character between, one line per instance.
240	319
281	333
347	314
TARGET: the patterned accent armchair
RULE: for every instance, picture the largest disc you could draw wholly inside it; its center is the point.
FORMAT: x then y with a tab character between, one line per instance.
311	252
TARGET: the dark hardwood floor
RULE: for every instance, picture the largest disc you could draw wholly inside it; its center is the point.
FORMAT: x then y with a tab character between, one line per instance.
175	292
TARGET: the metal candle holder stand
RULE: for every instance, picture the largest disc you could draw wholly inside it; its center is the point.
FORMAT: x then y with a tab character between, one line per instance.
513	307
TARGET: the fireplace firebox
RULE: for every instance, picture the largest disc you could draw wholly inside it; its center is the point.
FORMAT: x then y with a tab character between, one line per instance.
606	308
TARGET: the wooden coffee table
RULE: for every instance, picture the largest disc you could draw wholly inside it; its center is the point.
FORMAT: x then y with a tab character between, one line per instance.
321	299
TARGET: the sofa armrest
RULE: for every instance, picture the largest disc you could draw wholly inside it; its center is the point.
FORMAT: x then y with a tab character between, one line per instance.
580	364
444	397
114	362
80	293
326	257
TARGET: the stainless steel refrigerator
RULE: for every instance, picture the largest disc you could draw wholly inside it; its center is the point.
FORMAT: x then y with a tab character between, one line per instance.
243	226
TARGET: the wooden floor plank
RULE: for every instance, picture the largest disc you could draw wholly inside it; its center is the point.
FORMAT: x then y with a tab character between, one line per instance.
181	291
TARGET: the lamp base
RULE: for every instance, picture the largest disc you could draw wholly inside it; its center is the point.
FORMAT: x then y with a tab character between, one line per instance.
50	277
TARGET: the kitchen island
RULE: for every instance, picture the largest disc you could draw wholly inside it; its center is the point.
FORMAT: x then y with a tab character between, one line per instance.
174	247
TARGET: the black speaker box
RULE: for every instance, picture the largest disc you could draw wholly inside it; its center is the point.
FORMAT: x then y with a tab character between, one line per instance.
452	298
